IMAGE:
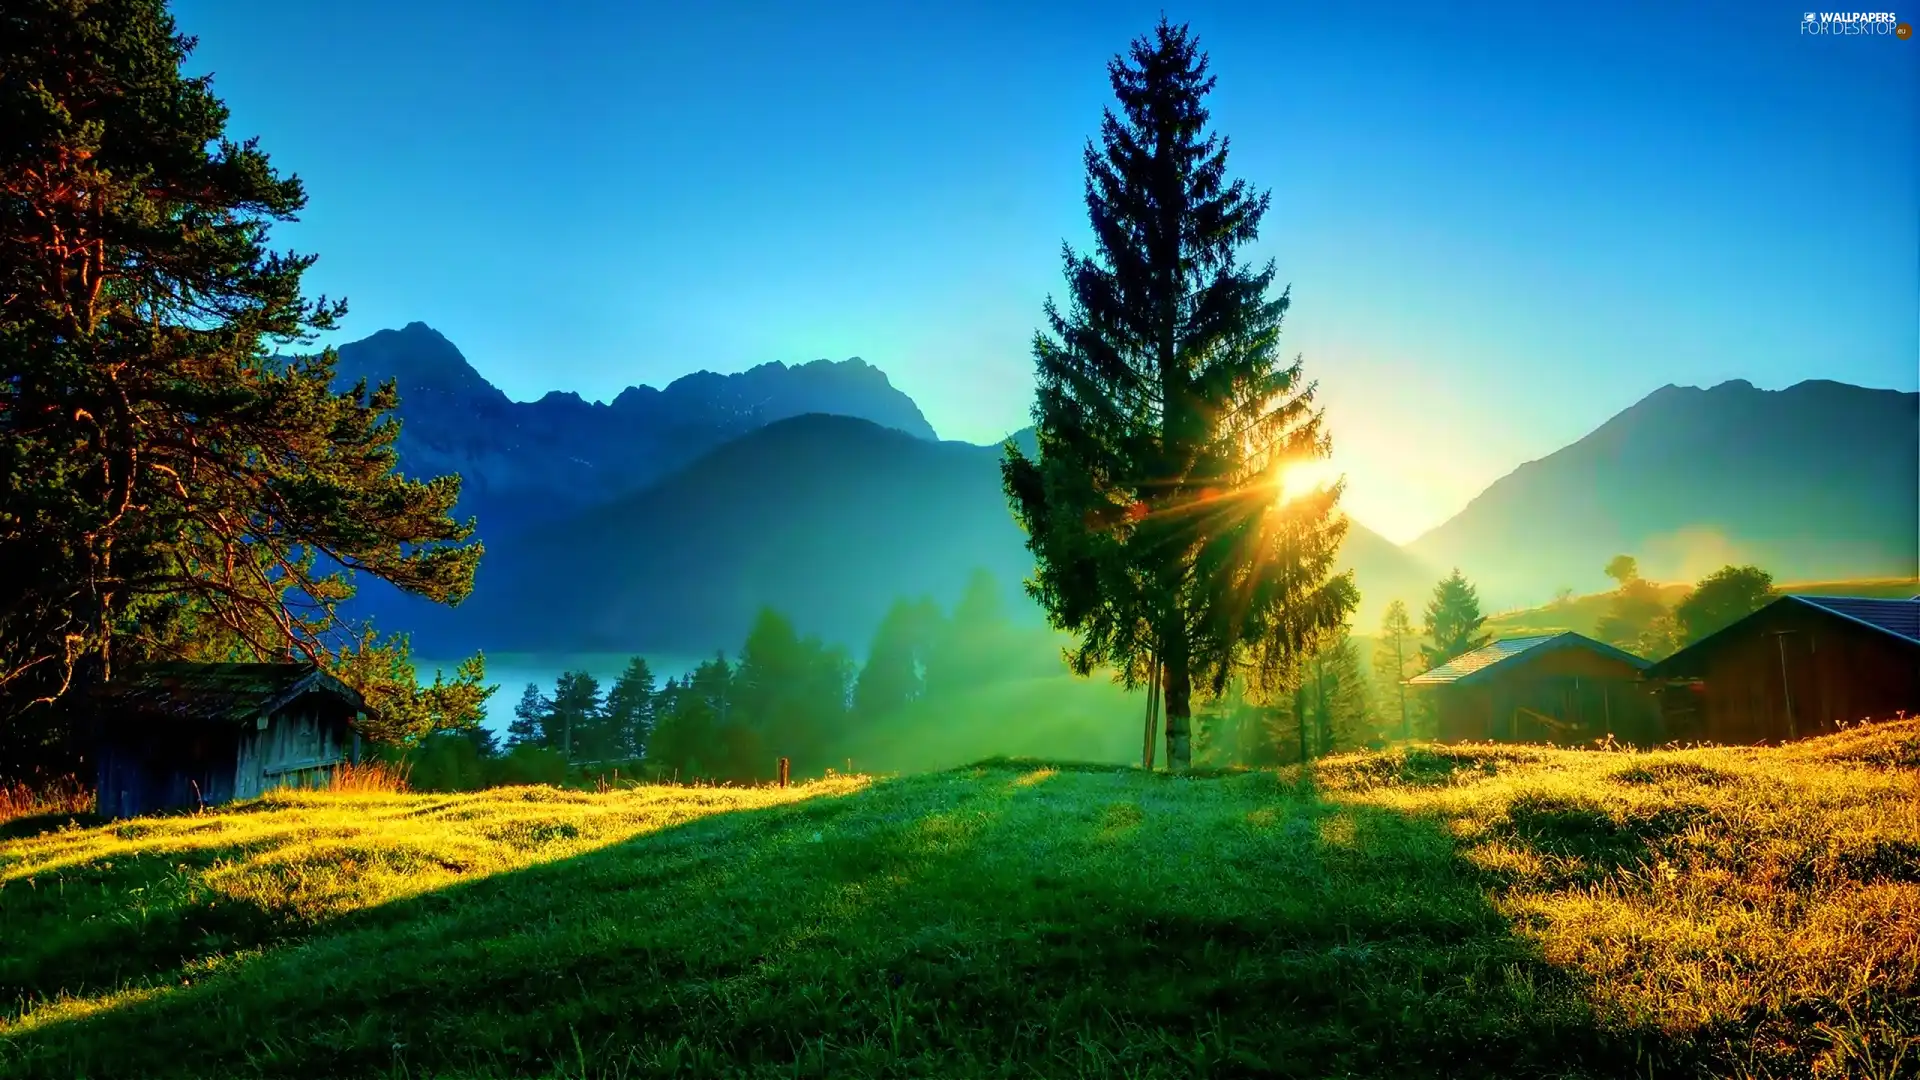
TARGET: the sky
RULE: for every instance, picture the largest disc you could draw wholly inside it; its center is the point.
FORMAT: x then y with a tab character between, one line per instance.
1499	227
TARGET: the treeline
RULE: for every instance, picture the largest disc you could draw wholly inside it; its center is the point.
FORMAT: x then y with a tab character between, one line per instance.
1638	620
1341	700
783	694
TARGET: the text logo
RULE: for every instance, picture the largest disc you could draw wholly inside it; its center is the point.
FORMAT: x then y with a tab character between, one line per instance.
1853	24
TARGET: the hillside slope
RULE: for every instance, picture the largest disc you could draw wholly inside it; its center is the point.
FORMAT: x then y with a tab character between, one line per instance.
827	518
1821	480
1473	911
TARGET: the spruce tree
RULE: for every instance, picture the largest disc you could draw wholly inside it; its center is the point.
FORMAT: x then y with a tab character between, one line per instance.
529	718
630	709
1165	415
1453	621
170	486
573	723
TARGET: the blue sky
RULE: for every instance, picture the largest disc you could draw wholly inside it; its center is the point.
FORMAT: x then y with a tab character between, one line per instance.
1501	227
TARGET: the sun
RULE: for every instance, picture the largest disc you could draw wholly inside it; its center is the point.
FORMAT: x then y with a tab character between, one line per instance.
1304	478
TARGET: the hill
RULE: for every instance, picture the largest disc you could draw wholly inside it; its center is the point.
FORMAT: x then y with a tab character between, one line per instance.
1582	614
1818	481
529	462
827	518
1459	911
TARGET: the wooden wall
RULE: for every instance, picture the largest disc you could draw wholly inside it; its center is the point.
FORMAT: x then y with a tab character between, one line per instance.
1568	696
299	747
1792	672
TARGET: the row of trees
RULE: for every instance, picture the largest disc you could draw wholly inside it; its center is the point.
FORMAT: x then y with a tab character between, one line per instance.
1639	620
1336	703
783	695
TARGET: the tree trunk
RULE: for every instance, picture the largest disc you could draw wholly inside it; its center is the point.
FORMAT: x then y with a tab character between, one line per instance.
1179	708
1153	700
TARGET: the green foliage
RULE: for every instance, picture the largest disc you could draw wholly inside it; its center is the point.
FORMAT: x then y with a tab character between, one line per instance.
1453	621
1637	619
168	487
629	711
1721	599
1397	658
573	720
529	718
1164	414
895	674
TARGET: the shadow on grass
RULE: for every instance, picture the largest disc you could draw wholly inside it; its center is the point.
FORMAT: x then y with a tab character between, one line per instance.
998	920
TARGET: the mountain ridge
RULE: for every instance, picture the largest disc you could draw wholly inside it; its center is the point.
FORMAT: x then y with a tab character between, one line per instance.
1817	480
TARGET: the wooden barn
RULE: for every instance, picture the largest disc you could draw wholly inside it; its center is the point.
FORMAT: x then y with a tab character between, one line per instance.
1800	666
1565	689
188	734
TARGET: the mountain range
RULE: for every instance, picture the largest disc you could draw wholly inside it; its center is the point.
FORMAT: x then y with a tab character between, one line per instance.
1815	482
663	521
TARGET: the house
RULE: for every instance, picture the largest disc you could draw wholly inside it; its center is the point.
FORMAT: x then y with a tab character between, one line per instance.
192	734
1801	665
1554	688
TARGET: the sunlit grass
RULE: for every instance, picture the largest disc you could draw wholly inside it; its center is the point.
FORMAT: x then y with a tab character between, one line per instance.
1427	910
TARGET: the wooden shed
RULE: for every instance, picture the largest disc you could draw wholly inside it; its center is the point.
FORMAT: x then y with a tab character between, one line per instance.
1800	666
190	734
1566	689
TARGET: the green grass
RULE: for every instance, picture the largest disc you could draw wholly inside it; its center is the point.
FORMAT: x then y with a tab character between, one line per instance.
1582	614
1459	911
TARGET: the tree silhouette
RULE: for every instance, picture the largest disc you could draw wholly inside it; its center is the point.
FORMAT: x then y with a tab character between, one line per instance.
1164	416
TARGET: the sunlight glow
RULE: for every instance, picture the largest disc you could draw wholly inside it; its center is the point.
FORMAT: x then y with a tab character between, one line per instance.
1303	478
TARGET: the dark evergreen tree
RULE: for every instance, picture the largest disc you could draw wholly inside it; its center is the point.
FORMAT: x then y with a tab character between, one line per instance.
529	722
573	725
168	486
1453	621
630	709
1165	417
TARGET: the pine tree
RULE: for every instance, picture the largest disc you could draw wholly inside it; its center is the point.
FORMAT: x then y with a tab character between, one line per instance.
168	484
573	723
1396	656
529	722
1453	621
630	710
1164	417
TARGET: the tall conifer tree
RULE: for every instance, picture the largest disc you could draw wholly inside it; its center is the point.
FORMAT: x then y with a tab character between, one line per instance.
1165	415
170	486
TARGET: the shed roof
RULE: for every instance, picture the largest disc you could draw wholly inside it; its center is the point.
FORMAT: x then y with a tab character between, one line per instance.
221	693
1481	663
1897	618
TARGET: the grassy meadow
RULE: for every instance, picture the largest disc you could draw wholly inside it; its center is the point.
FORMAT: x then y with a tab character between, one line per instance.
1461	911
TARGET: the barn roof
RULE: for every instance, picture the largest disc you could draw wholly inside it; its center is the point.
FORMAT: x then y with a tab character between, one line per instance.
1898	618
1901	618
1481	663
217	693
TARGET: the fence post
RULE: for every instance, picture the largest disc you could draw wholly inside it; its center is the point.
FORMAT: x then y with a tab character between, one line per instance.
783	772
